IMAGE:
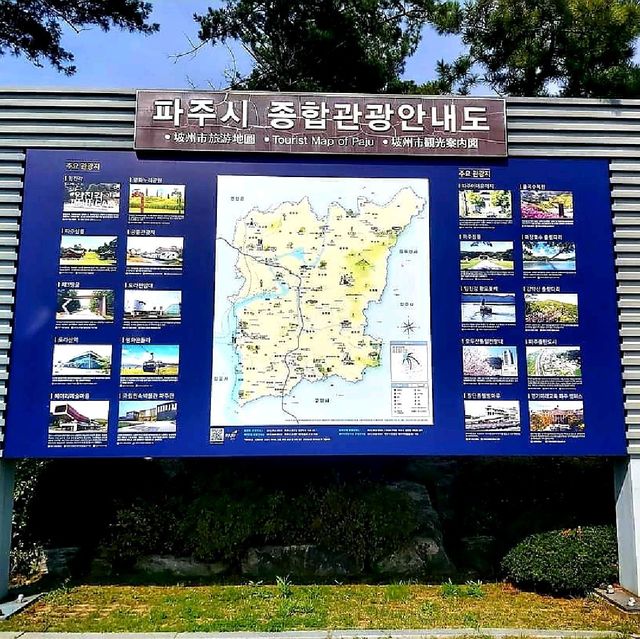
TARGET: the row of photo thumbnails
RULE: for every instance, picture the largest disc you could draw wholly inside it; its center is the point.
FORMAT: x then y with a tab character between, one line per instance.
546	418
536	206
501	362
169	200
103	198
163	360
539	308
96	305
99	251
159	417
137	361
497	257
91	417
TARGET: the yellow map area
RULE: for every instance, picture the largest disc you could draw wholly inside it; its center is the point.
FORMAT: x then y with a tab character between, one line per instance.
307	282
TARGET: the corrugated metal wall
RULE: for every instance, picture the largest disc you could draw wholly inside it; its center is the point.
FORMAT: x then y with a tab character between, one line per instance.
598	128
46	119
549	127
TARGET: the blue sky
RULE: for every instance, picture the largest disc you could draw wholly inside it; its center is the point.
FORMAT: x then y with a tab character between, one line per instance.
121	60
125	407
486	247
549	249
154	298
89	242
136	354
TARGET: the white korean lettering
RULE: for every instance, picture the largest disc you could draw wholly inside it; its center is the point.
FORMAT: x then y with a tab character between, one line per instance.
201	109
230	114
347	116
315	115
407	112
475	119
167	110
378	117
448	121
282	114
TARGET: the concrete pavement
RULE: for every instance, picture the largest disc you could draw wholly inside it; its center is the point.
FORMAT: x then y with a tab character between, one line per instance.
437	633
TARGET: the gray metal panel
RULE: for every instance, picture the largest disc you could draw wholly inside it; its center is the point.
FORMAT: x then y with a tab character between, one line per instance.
46	119
545	127
609	129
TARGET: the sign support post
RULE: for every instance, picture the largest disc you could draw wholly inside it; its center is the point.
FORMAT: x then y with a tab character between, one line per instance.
627	487
7	480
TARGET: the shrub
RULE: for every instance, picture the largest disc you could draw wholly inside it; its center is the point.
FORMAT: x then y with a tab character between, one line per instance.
564	562
220	526
139	529
364	521
27	553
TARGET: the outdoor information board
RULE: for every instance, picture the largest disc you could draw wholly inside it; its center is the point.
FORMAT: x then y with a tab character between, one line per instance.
276	306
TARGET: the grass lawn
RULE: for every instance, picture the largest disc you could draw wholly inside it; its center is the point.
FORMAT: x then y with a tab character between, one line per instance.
498	264
272	608
164	371
90	258
169	206
551	311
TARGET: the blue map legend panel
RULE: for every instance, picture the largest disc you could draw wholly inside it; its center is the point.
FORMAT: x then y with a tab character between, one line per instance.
327	306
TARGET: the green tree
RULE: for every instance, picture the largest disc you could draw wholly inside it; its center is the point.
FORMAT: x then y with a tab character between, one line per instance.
576	48
501	199
33	28
97	301
322	45
476	200
71	298
109	300
107	251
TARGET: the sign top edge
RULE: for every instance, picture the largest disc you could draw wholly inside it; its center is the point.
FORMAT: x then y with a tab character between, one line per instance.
474	98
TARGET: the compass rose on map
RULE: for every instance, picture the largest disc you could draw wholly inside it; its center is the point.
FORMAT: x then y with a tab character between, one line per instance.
408	327
410	360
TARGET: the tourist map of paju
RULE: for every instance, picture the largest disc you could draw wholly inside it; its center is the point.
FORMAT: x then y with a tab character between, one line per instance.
322	301
241	307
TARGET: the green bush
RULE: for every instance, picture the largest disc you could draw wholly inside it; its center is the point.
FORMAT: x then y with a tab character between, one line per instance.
27	552
220	526
138	529
564	562
365	522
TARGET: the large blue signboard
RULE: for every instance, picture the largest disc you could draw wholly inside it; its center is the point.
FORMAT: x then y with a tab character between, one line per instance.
218	307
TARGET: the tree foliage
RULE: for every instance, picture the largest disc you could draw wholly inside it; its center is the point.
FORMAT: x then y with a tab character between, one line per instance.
67	301
33	28
322	45
576	48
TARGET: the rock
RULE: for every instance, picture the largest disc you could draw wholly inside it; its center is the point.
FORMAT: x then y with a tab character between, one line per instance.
179	566
428	519
100	568
421	557
441	476
304	560
479	555
424	555
59	562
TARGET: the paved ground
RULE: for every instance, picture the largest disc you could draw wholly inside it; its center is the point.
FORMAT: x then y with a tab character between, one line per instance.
497	633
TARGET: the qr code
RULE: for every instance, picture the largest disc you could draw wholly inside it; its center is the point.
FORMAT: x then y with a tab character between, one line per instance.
216	435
